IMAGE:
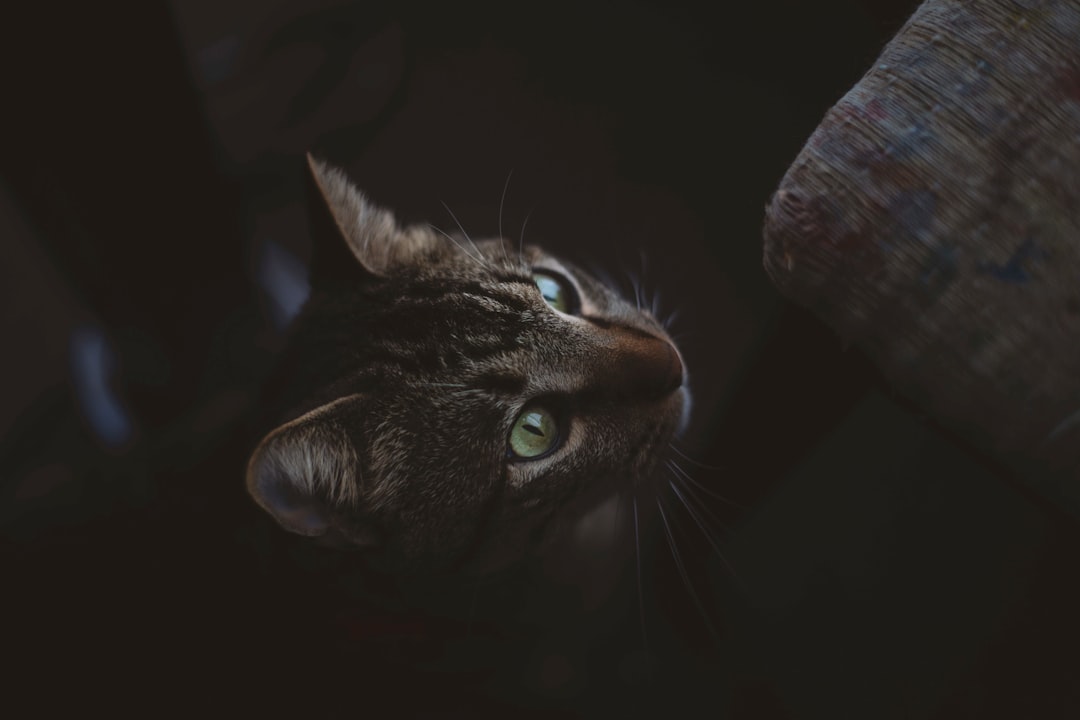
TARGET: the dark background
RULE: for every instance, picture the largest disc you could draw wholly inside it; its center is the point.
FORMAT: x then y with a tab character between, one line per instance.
873	566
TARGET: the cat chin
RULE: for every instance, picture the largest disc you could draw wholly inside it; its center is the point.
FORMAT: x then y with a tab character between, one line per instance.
593	533
574	525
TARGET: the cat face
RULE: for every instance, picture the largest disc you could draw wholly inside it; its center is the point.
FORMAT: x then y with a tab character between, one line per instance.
448	405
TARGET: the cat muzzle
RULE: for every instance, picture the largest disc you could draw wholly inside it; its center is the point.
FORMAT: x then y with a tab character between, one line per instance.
640	366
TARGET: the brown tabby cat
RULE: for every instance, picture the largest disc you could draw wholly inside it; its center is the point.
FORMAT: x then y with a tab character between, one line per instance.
446	405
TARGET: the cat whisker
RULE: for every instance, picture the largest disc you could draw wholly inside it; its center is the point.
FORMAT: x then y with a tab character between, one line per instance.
667	318
701	526
615	522
681	567
702	507
462	229
502	202
521	237
474	258
603	275
644	280
688	488
671	319
636	285
641	594
692	461
679	471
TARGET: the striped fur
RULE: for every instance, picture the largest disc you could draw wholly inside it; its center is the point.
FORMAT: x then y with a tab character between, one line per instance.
405	372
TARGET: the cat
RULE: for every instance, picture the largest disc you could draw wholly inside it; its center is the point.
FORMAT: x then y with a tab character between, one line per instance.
445	405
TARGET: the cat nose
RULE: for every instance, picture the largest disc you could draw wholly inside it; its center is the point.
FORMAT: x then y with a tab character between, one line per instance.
640	365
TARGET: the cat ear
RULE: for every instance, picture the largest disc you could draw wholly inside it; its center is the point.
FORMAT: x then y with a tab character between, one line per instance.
306	474
350	236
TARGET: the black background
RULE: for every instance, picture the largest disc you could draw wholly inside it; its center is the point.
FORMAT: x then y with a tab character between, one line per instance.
873	566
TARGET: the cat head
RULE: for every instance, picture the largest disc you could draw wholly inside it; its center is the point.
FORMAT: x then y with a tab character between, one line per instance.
447	404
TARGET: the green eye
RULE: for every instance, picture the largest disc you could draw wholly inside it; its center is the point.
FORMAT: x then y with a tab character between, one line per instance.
556	291
535	433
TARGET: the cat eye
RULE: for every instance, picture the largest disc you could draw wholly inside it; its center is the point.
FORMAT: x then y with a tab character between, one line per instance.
535	433
557	292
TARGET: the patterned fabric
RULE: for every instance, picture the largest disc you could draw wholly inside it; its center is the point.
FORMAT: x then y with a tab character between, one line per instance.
933	219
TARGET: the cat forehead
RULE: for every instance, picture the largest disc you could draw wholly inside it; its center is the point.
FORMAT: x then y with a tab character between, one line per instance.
490	257
597	298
